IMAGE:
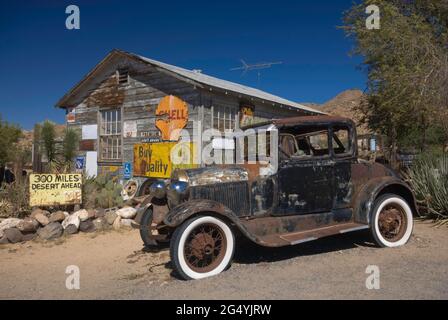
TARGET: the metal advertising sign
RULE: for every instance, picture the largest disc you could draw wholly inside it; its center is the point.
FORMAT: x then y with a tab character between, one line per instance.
113	170
70	117
173	113
151	140
246	114
155	159
80	162
55	189
127	170
87	145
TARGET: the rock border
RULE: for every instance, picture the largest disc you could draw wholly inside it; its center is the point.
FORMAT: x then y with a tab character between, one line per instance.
45	225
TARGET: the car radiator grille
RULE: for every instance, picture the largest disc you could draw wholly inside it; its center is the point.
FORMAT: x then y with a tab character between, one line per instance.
234	195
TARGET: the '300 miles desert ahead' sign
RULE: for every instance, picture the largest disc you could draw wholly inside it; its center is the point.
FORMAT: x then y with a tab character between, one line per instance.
55	189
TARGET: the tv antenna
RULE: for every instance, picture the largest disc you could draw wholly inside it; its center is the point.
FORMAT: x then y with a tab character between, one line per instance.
257	66
245	67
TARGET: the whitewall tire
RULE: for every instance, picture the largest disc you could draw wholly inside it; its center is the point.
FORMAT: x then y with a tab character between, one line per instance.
392	221
202	247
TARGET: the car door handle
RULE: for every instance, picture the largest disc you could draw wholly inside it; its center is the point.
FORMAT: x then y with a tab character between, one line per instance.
321	180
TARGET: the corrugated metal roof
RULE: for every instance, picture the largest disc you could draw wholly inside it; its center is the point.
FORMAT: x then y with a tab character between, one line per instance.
225	85
196	77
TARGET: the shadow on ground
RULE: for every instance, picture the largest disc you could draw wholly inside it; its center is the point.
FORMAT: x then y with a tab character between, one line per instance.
247	252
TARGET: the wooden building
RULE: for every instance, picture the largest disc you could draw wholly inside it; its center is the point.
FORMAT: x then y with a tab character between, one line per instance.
116	106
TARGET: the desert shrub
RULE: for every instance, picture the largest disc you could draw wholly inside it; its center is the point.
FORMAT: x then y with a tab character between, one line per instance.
10	135
102	191
14	200
428	178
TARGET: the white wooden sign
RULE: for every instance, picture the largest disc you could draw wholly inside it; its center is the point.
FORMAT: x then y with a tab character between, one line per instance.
89	131
130	129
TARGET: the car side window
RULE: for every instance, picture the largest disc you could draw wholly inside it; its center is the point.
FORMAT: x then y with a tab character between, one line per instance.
319	143
304	145
341	140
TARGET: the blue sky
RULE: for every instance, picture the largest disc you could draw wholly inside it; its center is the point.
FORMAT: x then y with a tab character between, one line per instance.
41	60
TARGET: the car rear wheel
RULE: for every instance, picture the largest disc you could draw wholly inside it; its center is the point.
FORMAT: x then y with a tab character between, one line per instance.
392	221
202	247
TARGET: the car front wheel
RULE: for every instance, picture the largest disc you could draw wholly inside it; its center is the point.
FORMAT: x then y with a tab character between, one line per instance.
202	247
392	221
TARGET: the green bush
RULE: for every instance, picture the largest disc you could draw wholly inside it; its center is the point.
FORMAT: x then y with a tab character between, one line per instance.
9	136
48	136
428	178
70	145
103	191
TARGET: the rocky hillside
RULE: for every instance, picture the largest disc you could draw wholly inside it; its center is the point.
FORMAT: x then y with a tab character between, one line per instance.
343	105
27	135
26	141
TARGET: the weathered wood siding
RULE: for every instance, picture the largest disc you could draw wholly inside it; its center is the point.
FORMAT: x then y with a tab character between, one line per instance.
138	101
139	98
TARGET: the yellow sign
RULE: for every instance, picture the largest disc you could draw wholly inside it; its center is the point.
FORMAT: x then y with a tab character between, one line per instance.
174	117
158	160
246	115
112	170
55	189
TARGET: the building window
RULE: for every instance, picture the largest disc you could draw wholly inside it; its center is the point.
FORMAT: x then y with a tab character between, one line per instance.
224	118
110	135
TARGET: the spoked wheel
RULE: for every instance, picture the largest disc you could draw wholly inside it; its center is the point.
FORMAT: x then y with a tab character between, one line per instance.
392	221
205	248
202	247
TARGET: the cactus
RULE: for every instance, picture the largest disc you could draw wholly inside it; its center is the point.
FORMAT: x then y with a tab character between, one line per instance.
428	178
104	191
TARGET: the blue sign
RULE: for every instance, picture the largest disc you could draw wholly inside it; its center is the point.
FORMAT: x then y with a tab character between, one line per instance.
79	163
127	172
372	144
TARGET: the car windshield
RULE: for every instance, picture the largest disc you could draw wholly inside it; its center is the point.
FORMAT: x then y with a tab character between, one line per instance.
313	141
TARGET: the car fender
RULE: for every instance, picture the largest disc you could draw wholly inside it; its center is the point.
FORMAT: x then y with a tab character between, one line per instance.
185	210
140	213
365	198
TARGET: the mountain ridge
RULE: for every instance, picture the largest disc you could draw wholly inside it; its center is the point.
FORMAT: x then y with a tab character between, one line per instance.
344	104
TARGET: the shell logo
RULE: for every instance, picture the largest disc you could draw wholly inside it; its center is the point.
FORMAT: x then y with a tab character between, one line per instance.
173	117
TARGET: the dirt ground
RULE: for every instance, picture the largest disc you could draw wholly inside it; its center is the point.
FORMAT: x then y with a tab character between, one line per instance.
113	265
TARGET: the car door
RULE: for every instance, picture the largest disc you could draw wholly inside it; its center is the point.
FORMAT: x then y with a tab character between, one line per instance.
305	177
342	145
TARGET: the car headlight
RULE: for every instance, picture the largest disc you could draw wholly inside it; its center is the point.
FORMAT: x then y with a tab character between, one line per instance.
158	189
177	192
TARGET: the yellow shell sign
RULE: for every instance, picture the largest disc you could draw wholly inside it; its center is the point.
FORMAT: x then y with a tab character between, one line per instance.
173	116
55	189
155	159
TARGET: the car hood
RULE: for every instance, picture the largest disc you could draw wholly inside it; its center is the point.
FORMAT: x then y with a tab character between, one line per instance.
211	175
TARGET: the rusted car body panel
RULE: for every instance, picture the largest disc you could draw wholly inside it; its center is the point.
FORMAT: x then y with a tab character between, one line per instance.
304	200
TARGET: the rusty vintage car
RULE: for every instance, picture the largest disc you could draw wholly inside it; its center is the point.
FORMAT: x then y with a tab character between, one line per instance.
320	188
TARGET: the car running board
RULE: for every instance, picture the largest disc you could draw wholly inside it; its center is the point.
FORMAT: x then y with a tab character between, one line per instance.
294	238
